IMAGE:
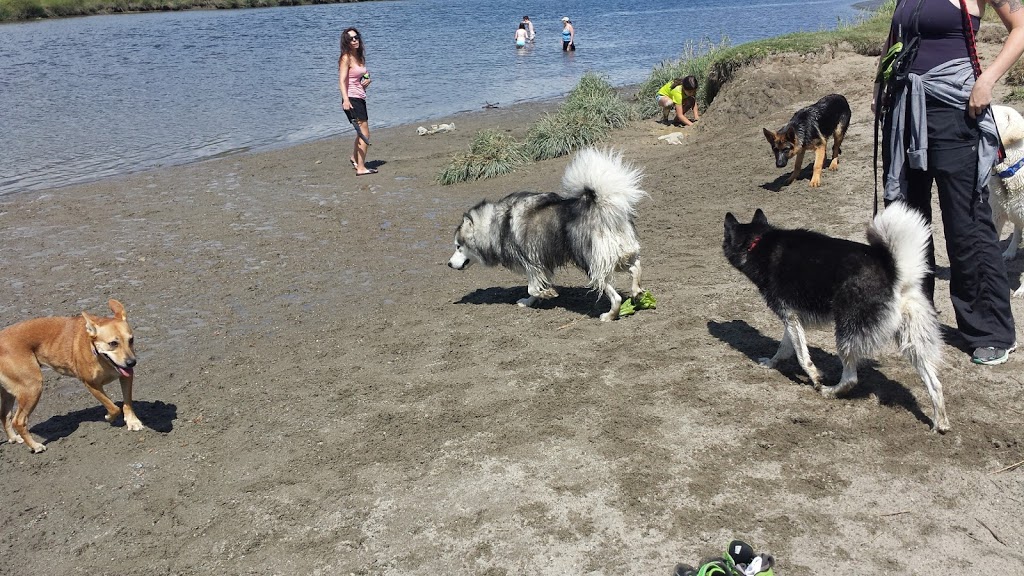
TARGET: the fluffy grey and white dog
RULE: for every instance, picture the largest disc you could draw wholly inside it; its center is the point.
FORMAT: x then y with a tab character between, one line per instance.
590	225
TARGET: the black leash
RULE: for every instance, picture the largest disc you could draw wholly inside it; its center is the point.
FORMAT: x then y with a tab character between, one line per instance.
881	104
355	124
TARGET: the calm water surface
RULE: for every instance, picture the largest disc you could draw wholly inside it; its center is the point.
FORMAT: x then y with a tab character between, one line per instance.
87	98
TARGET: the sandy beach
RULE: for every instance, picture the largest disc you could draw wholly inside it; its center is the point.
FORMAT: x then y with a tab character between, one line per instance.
324	396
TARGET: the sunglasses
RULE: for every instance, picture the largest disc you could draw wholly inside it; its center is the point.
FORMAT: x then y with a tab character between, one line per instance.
352	38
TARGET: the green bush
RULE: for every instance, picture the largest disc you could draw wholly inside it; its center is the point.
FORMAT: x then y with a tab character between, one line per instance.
556	135
492	153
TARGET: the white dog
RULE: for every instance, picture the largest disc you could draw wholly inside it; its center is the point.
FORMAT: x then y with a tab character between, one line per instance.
1007	181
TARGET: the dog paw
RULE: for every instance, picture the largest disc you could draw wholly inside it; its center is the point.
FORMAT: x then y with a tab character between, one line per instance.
766	362
134	425
38	448
15	439
837	390
609	316
526	302
815	182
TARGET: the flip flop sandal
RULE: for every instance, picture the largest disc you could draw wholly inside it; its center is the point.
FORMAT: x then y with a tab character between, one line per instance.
353	162
368	171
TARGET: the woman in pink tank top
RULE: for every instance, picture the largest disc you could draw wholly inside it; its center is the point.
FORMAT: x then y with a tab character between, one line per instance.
353	79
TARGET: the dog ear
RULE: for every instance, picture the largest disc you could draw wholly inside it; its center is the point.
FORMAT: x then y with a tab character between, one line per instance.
769	136
90	323
118	309
730	220
759	217
791	134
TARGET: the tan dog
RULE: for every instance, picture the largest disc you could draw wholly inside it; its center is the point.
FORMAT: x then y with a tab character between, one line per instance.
94	350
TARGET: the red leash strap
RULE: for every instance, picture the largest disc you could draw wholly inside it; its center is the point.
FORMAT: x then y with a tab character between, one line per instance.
972	46
972	51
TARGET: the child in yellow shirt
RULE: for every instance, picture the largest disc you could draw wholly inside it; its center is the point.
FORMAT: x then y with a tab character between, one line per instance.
681	95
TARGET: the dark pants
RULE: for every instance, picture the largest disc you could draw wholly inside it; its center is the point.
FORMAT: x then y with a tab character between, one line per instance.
978	285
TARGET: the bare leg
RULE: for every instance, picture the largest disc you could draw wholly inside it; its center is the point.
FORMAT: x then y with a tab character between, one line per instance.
359	152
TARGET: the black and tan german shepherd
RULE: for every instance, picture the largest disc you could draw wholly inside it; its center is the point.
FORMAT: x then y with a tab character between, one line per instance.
810	128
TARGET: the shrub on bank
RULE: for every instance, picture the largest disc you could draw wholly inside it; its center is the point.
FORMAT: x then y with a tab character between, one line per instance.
589	111
492	153
13	10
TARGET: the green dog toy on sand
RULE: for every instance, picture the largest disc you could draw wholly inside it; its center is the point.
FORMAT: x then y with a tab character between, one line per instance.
644	301
739	560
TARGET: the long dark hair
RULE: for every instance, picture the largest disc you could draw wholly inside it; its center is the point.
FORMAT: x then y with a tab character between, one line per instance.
689	82
346	47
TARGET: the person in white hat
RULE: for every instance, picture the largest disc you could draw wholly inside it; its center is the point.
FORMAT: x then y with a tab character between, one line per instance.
568	35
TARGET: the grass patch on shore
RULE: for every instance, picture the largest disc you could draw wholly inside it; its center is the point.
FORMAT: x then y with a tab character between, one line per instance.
492	153
593	108
14	10
589	112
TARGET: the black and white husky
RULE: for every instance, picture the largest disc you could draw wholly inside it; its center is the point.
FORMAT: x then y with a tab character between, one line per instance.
872	292
589	225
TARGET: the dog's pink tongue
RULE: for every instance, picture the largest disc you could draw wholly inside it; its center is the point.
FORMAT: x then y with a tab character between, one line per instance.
125	371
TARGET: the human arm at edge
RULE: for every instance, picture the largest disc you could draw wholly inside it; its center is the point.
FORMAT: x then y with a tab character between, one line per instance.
1011	12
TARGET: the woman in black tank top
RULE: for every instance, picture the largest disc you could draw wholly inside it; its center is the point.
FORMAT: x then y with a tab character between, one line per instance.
960	139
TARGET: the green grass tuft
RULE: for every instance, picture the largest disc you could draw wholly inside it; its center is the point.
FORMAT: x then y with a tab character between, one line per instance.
492	153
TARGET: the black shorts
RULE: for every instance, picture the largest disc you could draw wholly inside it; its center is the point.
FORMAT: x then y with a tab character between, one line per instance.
568	46
358	110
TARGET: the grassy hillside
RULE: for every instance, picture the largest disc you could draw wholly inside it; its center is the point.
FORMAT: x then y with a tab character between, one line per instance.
14	10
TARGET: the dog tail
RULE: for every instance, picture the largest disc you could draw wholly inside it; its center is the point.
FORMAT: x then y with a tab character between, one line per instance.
906	234
614	183
903	231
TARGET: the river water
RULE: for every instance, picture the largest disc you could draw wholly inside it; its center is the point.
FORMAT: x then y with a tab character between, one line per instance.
88	98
